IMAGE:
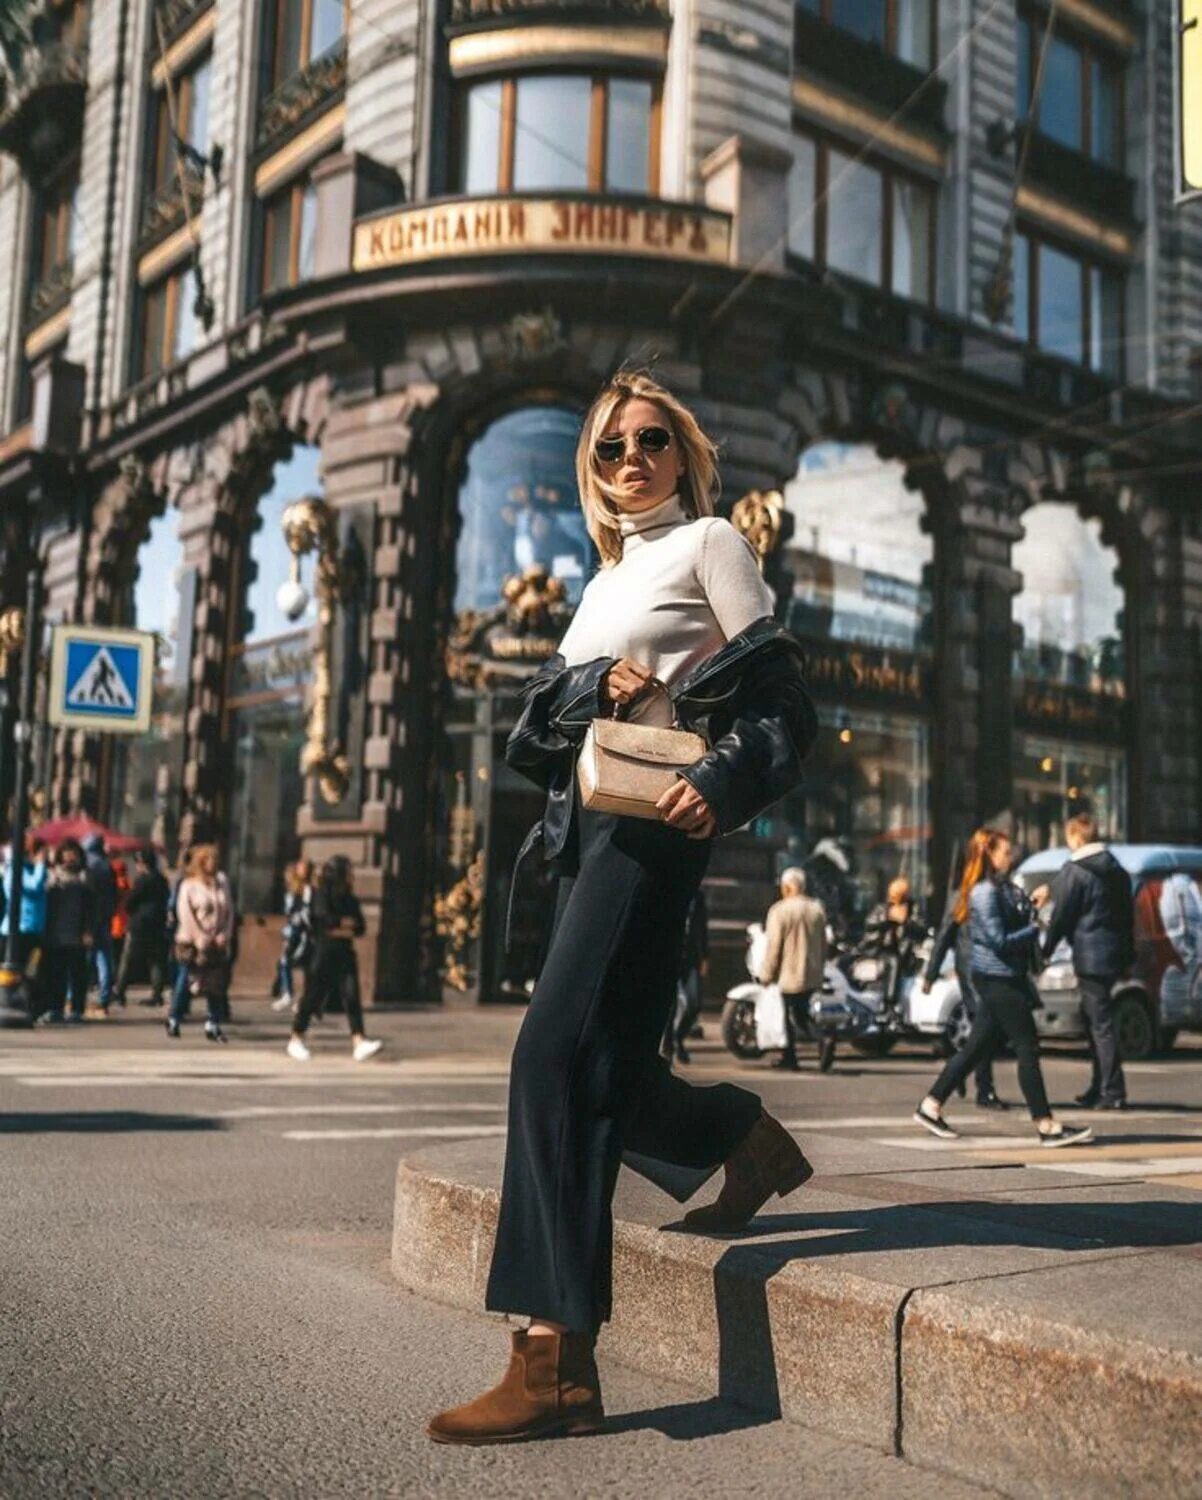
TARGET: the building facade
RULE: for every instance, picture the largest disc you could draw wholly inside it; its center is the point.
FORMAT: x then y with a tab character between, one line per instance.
915	263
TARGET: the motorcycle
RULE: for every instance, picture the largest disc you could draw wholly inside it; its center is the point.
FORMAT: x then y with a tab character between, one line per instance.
753	1016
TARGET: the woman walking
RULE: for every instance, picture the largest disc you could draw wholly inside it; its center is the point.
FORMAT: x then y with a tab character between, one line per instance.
1003	933
296	940
204	935
70	919
337	920
679	603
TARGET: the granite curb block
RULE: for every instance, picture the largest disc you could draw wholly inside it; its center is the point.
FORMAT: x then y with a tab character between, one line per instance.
993	1379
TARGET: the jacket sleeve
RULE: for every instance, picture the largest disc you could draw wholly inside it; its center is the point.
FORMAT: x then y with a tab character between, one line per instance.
558	705
758	760
1068	892
770	968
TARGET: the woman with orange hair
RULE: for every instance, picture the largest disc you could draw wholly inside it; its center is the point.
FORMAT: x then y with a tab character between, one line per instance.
1002	927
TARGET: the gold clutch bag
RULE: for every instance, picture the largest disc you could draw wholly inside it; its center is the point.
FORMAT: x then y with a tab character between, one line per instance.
626	768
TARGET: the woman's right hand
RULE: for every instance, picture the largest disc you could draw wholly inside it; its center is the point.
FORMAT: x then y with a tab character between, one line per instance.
627	680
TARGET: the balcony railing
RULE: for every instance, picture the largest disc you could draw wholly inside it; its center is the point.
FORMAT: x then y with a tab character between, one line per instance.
50	294
1071	174
41	102
301	98
863	68
163	208
468	12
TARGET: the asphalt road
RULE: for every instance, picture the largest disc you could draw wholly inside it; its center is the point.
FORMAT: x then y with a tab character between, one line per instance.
196	1300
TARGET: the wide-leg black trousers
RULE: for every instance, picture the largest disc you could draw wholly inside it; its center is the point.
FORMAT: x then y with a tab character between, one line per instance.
587	1081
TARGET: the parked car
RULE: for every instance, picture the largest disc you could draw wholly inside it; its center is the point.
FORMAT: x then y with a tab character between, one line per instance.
1163	993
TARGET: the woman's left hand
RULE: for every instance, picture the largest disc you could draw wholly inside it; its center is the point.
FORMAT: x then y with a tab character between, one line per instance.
683	807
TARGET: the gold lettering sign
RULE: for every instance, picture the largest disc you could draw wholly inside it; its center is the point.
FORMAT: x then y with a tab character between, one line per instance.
517	226
834	668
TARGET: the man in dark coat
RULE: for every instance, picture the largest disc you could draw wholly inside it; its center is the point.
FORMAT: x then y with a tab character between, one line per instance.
146	941
103	885
1094	911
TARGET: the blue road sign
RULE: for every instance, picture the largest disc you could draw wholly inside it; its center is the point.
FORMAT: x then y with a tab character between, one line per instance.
101	679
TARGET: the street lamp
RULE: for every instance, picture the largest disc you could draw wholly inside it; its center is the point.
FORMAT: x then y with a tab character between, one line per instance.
310	524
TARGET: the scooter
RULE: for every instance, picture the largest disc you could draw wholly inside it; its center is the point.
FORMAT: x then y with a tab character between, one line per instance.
753	1017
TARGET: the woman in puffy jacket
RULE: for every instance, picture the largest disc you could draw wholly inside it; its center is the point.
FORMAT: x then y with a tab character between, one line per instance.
1003	933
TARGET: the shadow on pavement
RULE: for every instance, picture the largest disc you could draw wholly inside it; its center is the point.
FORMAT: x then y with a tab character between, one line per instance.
101	1122
691	1419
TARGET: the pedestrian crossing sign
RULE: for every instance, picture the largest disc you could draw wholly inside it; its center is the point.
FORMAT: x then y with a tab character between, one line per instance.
101	679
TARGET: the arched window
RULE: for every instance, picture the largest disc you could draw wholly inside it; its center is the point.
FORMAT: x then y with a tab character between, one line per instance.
519	507
1069	677
144	800
270	667
859	566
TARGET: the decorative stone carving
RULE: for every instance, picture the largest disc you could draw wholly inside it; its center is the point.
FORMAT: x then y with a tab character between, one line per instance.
759	515
300	97
487	648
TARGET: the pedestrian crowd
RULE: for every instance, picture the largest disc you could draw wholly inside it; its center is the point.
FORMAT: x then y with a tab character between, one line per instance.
88	926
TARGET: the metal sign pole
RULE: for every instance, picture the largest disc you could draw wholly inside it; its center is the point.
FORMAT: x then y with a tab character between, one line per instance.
22	736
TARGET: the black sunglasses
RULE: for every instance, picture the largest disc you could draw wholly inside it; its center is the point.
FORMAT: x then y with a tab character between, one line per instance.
650	440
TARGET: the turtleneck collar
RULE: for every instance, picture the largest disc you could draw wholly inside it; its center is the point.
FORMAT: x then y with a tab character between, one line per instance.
643	524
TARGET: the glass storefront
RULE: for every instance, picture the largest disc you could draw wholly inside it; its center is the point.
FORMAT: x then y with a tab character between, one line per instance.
1055	778
859	565
1071	662
270	668
519	510
144	799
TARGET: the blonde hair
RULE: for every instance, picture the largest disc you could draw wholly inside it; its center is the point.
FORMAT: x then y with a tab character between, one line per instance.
204	861
600	498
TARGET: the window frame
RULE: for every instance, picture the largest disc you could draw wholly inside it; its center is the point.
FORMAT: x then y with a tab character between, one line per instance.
825	10
159	147
1036	240
53	210
1089	51
826	141
295	189
599	106
172	283
273	37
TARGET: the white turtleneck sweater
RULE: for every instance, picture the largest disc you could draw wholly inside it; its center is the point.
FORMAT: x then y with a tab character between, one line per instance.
681	590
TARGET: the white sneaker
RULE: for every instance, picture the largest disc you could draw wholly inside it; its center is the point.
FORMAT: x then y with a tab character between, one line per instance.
365	1049
297	1050
284	1002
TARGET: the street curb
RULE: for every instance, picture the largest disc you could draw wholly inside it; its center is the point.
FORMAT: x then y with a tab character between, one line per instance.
944	1377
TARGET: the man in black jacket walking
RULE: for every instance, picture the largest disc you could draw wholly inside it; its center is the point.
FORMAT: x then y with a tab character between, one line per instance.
1094	911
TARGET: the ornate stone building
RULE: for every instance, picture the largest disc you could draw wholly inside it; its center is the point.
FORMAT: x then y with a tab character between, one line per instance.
915	263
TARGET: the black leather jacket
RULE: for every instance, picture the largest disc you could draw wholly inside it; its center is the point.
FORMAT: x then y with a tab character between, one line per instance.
748	701
1095	912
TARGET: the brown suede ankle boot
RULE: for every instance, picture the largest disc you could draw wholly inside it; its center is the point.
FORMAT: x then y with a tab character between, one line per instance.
550	1388
768	1160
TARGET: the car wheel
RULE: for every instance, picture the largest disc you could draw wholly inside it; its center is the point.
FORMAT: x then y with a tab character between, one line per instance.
874	1046
1134	1028
959	1024
738	1029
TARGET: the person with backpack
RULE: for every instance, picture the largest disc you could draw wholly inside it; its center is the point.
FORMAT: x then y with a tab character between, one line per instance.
102	882
70	934
337	923
1093	910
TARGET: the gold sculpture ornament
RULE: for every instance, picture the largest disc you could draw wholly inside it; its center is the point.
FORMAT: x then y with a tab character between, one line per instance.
457	919
759	515
311	525
12	635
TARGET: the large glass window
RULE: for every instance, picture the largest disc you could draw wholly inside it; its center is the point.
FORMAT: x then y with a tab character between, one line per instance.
859	558
56	222
166	322
862	218
270	666
1054	778
1081	98
519	508
559	131
1070	606
147	768
1068	305
289	219
191	92
298	32
902	27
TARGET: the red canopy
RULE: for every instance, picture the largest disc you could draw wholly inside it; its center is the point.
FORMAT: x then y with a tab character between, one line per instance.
81	827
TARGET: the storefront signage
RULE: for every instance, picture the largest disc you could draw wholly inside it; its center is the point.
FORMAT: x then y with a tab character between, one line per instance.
838	669
519	226
1072	711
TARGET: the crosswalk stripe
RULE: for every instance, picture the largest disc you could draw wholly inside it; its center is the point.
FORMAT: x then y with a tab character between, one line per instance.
1147	1167
322	1077
444	1132
274	1111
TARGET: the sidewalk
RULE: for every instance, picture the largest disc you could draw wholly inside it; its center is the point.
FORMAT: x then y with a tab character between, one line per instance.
1035	1331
